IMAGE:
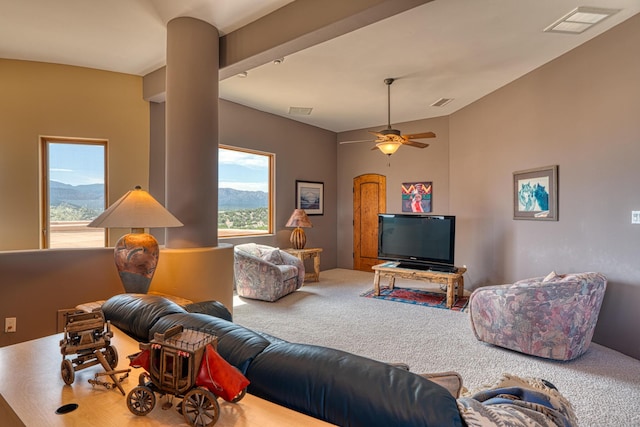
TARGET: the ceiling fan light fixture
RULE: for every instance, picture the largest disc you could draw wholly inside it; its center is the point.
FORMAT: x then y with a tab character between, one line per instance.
388	147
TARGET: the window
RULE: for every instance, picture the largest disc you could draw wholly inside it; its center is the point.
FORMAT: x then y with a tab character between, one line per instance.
74	176
245	192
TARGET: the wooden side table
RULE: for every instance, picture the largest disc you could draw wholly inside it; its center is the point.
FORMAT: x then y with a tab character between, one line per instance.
454	281
303	254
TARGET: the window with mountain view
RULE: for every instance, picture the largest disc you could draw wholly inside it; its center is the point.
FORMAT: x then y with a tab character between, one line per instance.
245	189
74	192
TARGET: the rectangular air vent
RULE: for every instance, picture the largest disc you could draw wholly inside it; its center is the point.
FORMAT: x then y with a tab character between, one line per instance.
580	19
442	102
300	111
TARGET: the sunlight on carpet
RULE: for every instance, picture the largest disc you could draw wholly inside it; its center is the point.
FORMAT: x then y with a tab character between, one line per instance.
417	297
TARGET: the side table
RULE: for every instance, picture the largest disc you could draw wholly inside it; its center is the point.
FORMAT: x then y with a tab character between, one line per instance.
303	254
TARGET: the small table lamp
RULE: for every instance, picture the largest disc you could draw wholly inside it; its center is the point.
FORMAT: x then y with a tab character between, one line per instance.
136	254
298	219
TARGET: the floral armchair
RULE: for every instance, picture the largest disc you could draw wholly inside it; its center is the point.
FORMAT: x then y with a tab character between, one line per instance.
552	317
266	273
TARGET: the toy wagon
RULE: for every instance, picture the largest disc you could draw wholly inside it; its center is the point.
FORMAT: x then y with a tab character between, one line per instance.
184	363
88	336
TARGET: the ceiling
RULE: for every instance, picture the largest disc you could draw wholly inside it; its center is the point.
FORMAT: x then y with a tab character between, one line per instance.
460	49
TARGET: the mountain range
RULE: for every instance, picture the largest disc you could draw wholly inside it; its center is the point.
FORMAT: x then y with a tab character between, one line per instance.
92	196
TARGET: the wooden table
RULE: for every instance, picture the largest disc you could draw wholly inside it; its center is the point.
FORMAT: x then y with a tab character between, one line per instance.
391	270
32	386
303	254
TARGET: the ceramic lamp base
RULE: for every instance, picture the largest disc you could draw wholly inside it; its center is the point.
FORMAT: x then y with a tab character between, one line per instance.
298	238
136	256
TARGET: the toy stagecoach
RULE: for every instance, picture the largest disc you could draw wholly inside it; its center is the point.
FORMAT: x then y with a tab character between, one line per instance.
184	362
88	337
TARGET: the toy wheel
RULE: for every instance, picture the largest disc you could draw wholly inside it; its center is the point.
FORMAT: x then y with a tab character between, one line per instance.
239	397
141	400
67	371
111	354
200	408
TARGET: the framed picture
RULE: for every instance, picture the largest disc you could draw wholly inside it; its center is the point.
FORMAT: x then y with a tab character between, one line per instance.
416	196
535	194
310	197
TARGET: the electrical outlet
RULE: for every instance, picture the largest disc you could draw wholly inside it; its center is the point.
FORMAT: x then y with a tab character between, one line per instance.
635	217
10	324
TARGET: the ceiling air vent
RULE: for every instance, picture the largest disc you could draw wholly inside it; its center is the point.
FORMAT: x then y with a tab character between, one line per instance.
580	19
442	102
300	111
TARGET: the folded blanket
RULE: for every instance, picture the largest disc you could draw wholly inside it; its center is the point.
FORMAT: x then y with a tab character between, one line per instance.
518	402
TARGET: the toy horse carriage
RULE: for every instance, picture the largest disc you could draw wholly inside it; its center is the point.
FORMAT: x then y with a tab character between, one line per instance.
184	363
88	336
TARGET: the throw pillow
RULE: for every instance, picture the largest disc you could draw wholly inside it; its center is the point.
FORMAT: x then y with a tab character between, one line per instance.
273	257
452	381
250	248
552	277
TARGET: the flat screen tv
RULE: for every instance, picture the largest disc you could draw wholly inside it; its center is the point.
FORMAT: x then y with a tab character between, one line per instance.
418	241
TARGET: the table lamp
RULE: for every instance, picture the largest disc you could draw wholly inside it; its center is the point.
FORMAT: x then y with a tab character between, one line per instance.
136	254
298	219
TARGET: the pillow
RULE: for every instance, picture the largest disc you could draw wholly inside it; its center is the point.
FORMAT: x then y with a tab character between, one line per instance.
452	381
552	277
273	256
250	248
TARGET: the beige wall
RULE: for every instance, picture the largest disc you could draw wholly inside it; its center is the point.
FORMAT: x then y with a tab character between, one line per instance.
579	112
302	152
34	284
58	100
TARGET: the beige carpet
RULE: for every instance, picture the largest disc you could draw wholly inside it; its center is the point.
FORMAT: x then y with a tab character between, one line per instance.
603	385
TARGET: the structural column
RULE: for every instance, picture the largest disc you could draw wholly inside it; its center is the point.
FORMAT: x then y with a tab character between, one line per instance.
192	132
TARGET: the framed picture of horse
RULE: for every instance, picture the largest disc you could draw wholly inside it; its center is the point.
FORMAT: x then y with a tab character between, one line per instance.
535	194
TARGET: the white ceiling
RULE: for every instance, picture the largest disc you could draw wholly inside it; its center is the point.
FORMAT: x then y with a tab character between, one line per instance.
461	49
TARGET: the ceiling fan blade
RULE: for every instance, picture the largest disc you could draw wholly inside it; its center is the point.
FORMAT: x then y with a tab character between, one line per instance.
415	144
420	135
354	142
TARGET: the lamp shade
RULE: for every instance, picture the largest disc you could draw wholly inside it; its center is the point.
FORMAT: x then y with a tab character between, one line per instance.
299	218
136	254
136	209
388	147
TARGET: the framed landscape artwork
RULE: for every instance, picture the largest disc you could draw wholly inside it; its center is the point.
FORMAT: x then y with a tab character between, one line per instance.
416	196
535	194
310	197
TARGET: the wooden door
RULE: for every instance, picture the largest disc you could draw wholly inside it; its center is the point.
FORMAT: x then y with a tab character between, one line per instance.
369	199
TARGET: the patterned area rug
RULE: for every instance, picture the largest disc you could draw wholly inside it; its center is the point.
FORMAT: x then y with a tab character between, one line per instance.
419	297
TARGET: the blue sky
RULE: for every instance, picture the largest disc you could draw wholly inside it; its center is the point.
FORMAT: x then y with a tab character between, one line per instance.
243	171
76	164
80	164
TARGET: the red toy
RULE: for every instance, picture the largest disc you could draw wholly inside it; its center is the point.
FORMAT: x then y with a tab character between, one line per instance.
184	363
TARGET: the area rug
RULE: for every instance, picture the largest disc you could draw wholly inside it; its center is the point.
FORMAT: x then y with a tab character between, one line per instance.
418	297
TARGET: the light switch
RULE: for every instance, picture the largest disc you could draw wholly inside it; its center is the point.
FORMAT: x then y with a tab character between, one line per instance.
635	217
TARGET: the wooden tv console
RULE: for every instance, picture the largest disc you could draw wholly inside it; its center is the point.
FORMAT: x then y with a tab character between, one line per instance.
391	270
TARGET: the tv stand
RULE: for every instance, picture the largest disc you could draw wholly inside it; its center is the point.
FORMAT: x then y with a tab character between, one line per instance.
454	280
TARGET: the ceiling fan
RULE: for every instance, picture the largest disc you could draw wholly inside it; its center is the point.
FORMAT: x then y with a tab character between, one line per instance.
389	140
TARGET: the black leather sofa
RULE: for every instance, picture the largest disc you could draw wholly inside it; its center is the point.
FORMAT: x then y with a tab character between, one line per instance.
328	384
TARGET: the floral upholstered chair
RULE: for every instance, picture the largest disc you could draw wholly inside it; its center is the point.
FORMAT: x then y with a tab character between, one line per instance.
552	317
266	273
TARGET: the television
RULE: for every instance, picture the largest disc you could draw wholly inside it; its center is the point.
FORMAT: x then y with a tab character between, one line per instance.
425	242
